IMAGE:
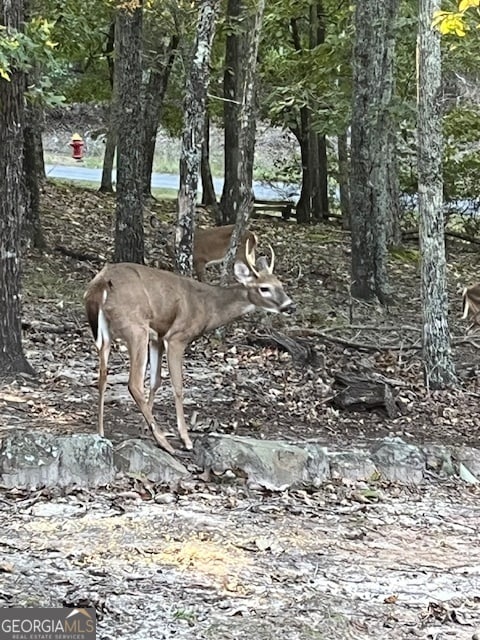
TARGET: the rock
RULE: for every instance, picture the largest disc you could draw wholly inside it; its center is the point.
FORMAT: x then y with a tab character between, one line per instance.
354	465
438	458
398	461
144	458
86	460
29	459
469	459
271	464
33	459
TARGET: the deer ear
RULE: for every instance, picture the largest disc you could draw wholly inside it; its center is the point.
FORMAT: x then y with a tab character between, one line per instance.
262	264
242	273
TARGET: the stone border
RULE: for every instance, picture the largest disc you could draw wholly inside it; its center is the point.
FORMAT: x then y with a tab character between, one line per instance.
33	459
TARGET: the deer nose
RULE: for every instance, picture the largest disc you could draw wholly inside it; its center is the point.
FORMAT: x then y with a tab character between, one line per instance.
288	306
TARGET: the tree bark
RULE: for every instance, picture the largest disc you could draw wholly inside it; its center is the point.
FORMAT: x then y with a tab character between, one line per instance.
192	138
12	203
394	230
304	205
106	182
246	142
154	96
439	371
32	223
209	197
232	93
323	176
344	179
318	146
372	92
129	234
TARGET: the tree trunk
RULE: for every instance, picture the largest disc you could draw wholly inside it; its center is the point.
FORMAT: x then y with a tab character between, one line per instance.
209	197
129	235
154	96
106	183
439	369
318	146
32	224
12	204
246	141
313	202
192	138
232	92
344	179
394	230
372	92
323	176
314	164
304	205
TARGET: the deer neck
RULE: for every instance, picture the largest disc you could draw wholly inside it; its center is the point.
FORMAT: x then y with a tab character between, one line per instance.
226	304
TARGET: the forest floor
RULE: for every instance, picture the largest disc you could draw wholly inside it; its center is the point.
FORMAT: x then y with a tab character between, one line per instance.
220	560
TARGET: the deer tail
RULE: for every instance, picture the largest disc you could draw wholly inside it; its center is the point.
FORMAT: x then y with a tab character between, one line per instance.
95	298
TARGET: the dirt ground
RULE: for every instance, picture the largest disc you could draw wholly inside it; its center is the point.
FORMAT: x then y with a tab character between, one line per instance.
225	562
217	560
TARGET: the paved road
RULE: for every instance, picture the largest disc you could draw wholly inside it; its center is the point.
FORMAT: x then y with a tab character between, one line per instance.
163	181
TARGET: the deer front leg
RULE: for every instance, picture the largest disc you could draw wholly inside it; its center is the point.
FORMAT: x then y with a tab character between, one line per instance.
175	349
138	351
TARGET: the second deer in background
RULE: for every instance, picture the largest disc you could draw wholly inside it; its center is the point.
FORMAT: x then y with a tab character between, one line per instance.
471	305
210	244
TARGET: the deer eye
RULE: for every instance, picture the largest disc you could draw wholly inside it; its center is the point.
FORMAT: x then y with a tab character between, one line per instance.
265	290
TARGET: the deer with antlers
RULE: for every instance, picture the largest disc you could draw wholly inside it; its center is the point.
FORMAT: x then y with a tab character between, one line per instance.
155	311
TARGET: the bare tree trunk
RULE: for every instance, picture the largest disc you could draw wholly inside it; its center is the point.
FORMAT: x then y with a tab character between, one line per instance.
318	147
304	205
154	96
32	224
12	203
232	93
129	234
372	89
106	182
314	164
394	230
246	142
209	197
323	176
439	370
344	179
190	158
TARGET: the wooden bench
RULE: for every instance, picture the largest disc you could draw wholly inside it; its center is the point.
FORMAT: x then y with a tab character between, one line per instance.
285	207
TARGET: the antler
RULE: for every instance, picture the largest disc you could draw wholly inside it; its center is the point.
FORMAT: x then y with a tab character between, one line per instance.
250	257
272	259
263	265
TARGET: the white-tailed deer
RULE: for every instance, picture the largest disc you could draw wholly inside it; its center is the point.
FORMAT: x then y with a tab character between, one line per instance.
471	304
210	244
155	311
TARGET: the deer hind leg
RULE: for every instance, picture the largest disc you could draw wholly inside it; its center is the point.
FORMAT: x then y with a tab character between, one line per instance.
103	354
138	351
156	352
175	350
